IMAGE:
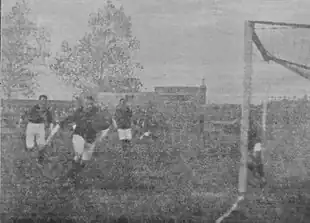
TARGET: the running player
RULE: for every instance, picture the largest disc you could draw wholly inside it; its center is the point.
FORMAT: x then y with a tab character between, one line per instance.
89	122
38	118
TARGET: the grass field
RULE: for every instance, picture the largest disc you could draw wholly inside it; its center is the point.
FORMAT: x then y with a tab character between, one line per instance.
174	195
102	179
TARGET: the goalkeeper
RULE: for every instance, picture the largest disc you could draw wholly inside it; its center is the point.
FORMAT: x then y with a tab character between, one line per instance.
255	159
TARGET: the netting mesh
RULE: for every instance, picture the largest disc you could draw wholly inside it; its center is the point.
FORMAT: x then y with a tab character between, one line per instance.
285	44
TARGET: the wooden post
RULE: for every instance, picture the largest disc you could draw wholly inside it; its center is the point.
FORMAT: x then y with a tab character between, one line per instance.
248	70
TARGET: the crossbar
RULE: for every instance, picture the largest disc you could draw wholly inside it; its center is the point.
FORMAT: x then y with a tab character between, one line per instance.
295	25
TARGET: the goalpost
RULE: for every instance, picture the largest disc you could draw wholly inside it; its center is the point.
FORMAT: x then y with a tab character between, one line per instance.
286	45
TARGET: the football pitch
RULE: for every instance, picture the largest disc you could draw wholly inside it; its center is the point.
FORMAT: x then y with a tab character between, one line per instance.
200	189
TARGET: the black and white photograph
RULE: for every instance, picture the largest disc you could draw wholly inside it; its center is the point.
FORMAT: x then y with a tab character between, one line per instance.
136	111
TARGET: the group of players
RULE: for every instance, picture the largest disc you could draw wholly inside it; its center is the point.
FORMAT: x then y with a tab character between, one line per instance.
91	124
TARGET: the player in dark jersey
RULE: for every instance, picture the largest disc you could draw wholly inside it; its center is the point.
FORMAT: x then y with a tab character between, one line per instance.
38	118
89	123
123	117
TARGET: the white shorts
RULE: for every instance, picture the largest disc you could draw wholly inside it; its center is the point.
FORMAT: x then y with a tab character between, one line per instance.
82	148
124	134
35	132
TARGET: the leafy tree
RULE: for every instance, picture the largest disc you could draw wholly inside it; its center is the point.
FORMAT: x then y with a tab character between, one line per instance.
19	49
104	57
65	48
43	39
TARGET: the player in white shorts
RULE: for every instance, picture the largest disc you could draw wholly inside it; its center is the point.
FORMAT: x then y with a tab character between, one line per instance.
90	126
39	118
123	116
123	119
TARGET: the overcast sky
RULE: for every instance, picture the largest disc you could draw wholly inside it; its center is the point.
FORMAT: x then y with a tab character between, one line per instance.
185	40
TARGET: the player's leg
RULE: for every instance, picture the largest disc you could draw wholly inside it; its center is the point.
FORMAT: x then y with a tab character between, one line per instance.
261	174
89	148
122	137
84	159
258	151
30	136
128	167
128	136
88	152
256	166
78	143
40	139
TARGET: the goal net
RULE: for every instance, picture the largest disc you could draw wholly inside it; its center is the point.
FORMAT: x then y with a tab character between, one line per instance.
285	44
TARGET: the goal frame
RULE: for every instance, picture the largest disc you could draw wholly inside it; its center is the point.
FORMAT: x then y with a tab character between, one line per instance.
249	31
